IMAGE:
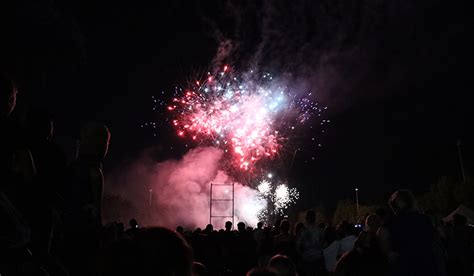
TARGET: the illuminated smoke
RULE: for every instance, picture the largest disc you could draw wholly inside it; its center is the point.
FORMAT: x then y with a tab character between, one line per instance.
179	191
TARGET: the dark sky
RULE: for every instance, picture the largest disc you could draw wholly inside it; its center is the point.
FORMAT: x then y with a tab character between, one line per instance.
396	77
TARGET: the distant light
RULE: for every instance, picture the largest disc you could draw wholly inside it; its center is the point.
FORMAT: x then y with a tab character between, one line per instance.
356	189
270	175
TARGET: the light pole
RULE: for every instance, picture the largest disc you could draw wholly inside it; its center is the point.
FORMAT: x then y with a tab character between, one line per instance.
461	163
150	191
357	201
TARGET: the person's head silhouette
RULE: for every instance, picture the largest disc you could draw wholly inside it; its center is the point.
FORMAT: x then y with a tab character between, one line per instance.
94	141
228	225
285	226
8	93
283	265
209	228
153	251
241	227
133	223
402	201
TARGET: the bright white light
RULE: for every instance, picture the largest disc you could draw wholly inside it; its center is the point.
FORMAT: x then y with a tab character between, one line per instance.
270	175
264	188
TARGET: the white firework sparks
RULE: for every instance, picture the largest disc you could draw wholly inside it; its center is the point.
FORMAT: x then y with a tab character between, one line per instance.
279	197
284	197
264	188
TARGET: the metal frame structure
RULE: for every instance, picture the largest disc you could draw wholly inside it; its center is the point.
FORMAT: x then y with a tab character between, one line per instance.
211	199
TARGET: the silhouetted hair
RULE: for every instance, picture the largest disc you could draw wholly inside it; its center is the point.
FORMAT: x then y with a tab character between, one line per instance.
402	201
199	269
133	223
373	222
164	252
7	95
298	227
283	265
209	228
285	226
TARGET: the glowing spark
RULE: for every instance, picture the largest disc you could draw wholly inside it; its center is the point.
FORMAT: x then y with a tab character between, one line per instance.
284	197
279	197
264	188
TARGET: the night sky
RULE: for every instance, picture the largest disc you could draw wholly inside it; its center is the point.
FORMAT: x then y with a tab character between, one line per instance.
396	77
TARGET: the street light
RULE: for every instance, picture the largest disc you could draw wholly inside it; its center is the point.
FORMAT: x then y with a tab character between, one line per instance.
357	201
150	191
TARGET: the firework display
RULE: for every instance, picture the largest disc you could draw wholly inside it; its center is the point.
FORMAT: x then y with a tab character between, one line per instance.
248	117
253	118
278	197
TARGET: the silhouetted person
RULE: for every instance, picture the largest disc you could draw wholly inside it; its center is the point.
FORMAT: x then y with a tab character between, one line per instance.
241	227
459	248
332	248
283	265
134	228
309	246
346	237
365	259
228	226
50	163
284	243
298	229
153	251
208	230
16	173
407	238
84	197
245	250
259	238
199	269
265	249
372	223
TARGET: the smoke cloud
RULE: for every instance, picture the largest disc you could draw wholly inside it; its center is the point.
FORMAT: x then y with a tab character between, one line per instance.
177	192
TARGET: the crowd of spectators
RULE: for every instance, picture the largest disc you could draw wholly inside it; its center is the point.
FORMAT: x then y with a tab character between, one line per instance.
50	212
